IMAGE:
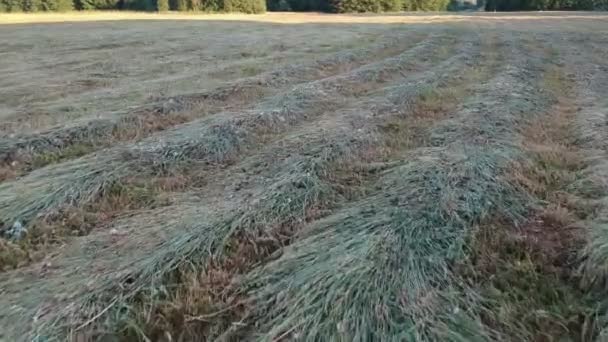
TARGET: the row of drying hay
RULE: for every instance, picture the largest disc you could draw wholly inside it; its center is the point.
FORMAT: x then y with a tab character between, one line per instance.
383	267
399	96
438	168
159	240
391	252
334	64
213	140
285	191
105	131
592	82
300	182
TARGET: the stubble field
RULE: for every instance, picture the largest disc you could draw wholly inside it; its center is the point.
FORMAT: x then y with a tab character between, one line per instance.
304	177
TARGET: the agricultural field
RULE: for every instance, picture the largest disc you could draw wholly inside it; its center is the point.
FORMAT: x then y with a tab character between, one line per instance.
304	177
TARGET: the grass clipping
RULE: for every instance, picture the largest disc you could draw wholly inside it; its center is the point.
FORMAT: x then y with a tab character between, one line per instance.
164	239
213	140
382	268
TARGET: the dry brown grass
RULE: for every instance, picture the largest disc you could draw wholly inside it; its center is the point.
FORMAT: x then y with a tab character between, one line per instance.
530	272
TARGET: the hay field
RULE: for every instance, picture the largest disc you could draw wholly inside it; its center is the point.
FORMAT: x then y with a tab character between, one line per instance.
304	177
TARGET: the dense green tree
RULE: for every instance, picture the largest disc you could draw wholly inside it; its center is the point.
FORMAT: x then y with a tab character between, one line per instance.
299	5
32	5
259	6
57	5
430	5
527	5
11	5
162	5
600	5
36	5
244	6
343	6
140	5
425	5
96	4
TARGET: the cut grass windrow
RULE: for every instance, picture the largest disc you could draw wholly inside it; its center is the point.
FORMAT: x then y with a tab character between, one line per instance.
592	81
20	153
175	235
382	268
447	188
380	102
215	140
528	274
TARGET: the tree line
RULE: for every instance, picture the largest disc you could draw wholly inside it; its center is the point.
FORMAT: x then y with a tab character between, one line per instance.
260	6
244	6
346	6
535	5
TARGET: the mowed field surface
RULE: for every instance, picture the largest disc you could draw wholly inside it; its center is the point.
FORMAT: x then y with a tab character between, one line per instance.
304	177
